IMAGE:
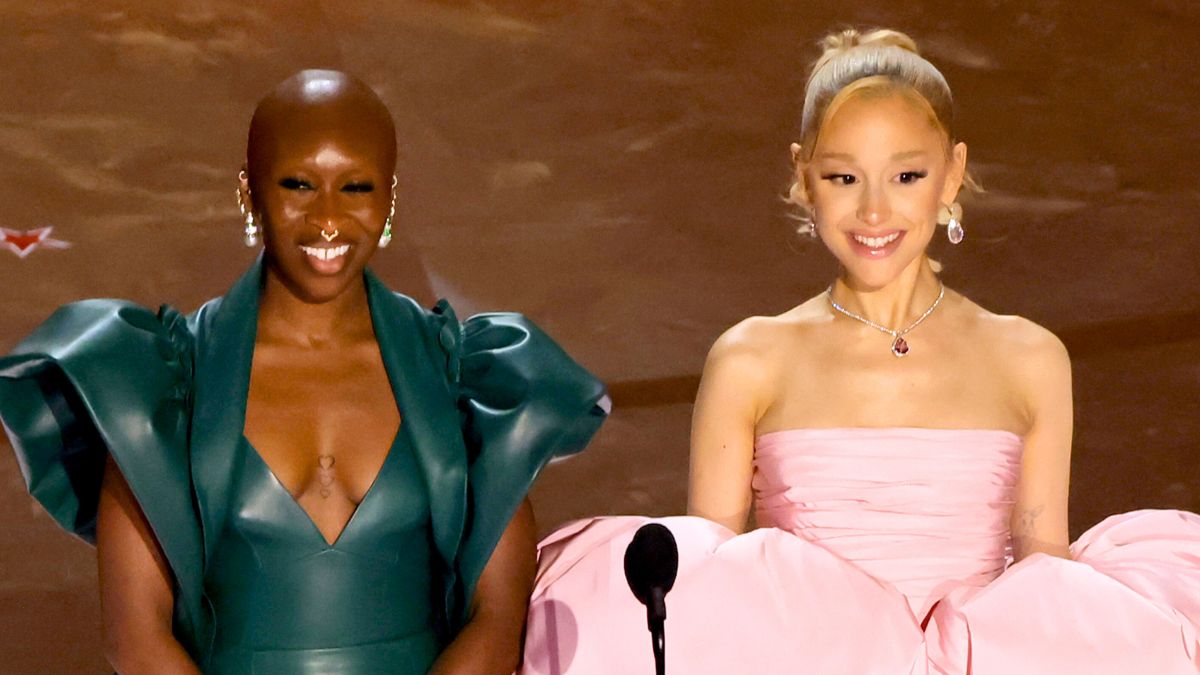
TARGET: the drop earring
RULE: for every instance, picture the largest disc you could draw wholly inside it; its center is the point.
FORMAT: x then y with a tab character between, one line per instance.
951	217
386	237
250	233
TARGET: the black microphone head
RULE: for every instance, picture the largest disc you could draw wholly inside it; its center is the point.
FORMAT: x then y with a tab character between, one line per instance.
651	561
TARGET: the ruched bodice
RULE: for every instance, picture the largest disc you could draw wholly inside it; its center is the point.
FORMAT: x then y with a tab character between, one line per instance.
924	509
877	551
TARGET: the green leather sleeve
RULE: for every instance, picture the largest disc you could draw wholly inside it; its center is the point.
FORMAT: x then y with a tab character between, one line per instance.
524	402
104	377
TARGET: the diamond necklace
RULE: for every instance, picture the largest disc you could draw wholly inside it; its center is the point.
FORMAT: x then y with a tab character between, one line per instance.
899	344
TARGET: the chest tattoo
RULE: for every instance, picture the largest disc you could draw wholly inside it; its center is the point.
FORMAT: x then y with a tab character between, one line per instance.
325	474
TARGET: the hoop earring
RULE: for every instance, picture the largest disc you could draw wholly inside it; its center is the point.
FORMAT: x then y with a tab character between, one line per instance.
250	233
386	237
951	217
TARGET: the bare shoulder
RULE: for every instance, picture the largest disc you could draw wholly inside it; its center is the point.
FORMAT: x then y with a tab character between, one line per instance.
1028	348
752	350
762	337
1016	332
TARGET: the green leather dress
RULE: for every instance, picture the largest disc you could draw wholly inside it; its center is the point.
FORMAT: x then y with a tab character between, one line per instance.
484	405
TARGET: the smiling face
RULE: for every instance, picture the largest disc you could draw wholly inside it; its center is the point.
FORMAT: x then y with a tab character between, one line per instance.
320	164
879	172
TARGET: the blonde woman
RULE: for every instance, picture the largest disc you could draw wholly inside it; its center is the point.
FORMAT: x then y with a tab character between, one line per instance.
906	453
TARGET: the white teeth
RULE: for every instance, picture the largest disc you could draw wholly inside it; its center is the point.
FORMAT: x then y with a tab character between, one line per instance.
876	242
326	253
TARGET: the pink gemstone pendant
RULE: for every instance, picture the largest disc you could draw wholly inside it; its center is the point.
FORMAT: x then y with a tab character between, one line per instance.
899	347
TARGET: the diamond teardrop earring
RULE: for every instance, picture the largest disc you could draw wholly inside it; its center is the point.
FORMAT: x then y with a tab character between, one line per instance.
951	217
954	231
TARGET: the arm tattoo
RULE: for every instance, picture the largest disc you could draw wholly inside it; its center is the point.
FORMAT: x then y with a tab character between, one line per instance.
1022	539
1029	519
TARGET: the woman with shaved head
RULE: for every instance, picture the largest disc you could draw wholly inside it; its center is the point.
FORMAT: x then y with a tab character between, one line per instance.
310	474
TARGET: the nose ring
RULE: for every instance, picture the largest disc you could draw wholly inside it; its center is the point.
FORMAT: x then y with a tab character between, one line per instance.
329	236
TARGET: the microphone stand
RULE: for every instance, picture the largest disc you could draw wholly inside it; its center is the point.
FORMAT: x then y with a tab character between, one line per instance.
656	615
651	564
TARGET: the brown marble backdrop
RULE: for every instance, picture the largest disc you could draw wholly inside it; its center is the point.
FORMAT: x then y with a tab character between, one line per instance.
613	169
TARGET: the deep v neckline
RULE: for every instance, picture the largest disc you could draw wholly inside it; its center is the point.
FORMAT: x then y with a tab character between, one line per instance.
415	357
401	430
305	515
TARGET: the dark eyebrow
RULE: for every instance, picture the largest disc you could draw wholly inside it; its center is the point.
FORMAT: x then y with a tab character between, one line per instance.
895	158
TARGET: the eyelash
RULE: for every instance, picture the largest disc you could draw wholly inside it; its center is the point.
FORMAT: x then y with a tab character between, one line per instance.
844	179
299	184
294	184
840	178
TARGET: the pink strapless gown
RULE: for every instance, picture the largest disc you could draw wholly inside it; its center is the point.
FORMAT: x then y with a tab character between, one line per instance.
881	551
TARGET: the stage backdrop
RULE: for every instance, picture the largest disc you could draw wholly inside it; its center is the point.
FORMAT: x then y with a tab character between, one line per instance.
613	168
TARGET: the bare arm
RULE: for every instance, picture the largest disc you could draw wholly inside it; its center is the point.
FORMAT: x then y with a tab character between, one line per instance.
723	421
491	640
1039	518
136	597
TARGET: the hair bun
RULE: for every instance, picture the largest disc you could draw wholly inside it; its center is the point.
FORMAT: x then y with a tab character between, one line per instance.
849	38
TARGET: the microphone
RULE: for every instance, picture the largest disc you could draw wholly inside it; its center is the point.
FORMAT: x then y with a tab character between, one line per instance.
651	563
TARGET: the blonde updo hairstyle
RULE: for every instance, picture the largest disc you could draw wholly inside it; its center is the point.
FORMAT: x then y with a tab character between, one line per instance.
877	63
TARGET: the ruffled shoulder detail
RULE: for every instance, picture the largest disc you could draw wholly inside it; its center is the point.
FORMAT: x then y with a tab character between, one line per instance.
523	402
104	377
98	374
